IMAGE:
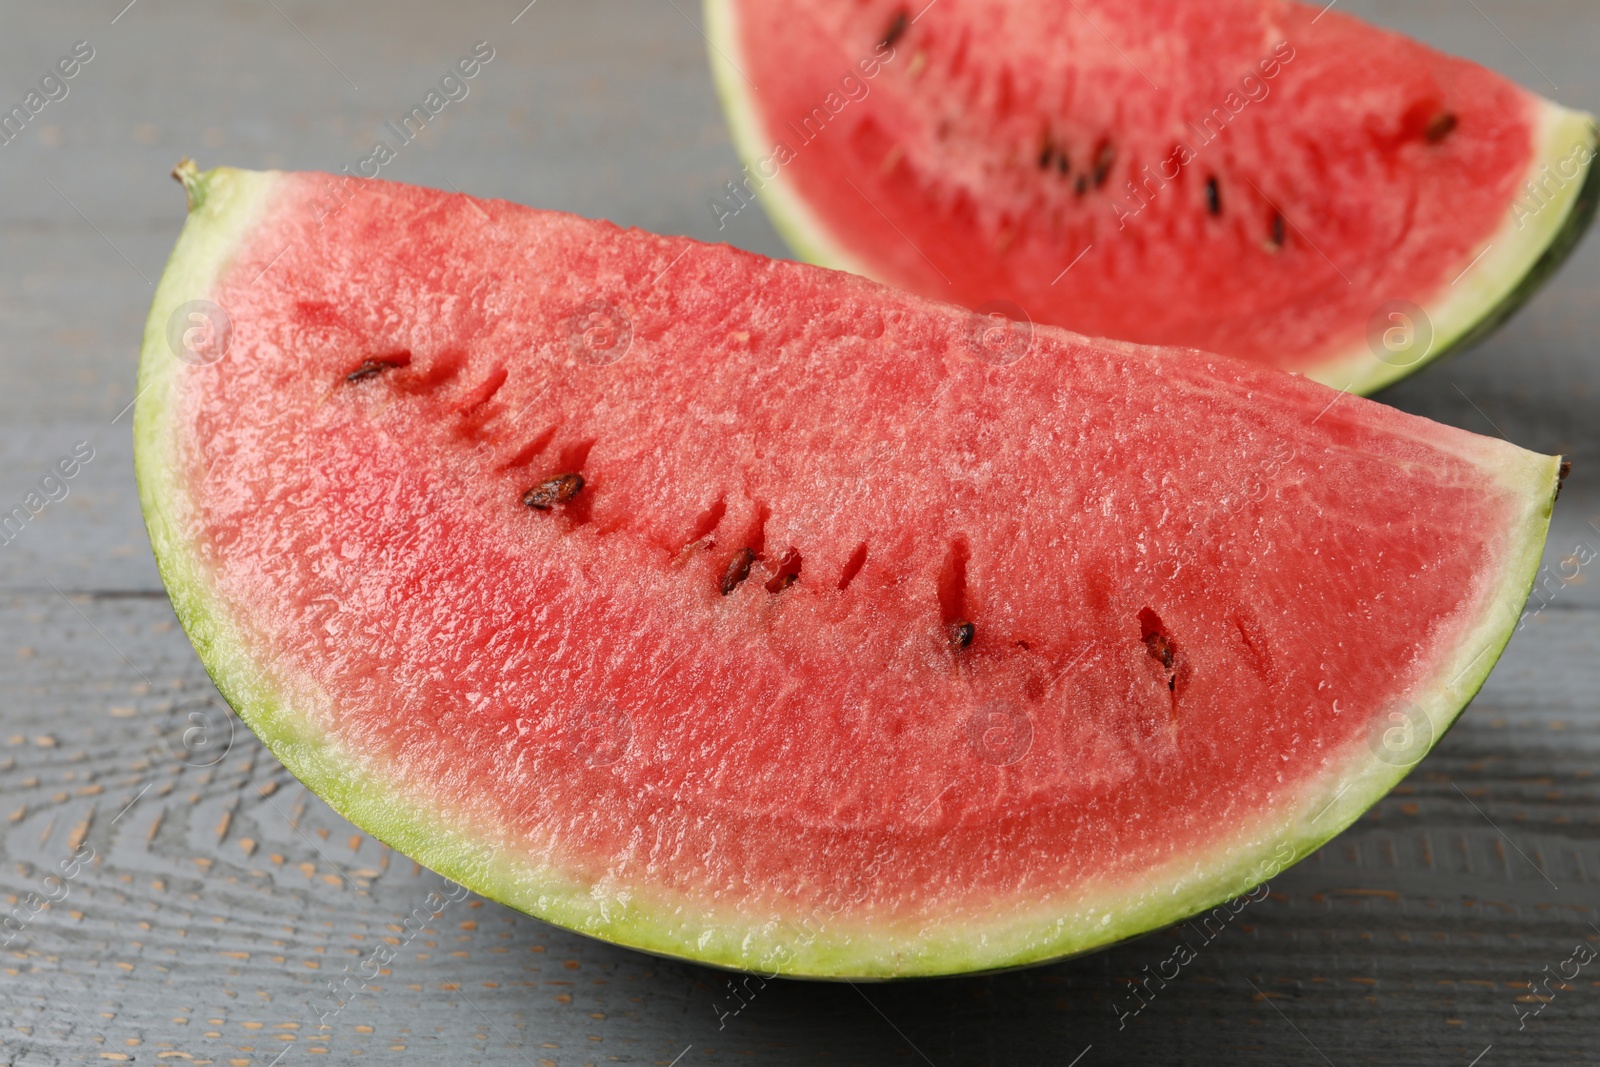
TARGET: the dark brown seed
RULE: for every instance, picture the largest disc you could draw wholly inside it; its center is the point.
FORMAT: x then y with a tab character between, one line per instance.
1213	197
369	369
1561	476
1277	230
1104	157
1046	153
738	570
552	491
961	635
1440	125
1082	185
1160	648
896	30
1062	163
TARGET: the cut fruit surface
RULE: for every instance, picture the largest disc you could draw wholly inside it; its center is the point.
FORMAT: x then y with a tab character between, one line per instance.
762	615
1268	180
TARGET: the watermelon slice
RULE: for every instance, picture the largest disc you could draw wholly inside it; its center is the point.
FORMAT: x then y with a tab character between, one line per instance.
1259	178
759	614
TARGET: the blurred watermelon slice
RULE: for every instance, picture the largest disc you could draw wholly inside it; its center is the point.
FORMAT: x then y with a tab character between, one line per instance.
1258	178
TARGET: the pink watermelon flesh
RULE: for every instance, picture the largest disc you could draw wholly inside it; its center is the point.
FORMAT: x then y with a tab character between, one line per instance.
1251	177
846	652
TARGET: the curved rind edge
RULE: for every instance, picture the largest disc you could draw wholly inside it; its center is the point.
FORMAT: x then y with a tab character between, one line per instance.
790	215
1330	805
280	709
1518	259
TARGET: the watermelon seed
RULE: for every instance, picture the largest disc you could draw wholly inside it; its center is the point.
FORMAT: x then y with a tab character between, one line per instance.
1440	125
1561	476
1051	153
1213	196
1082	184
896	30
853	565
1160	645
1161	650
1104	157
552	491
371	368
737	571
954	611
961	635
1275	241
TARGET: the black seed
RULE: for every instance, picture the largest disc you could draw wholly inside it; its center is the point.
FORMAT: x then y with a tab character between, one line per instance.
1277	230
1104	157
1082	185
1440	125
1561	476
552	491
1062	163
738	570
369	369
1160	648
961	635
1047	152
896	30
1213	196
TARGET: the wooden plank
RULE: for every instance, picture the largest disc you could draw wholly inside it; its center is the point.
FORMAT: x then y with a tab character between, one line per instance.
222	899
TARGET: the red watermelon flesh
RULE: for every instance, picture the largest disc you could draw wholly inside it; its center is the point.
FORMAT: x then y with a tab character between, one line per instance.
759	614
1265	179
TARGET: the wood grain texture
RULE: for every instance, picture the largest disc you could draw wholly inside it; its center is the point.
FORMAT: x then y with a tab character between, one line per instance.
222	899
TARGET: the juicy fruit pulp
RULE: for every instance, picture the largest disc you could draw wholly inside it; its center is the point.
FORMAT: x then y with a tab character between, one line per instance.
759	614
1264	179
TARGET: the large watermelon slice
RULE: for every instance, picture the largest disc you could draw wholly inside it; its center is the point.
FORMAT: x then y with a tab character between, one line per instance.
1259	178
755	613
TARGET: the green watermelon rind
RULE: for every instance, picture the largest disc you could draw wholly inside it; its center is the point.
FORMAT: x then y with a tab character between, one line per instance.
1517	262
283	710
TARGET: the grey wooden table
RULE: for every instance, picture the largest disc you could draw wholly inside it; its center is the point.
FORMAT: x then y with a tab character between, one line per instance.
221	898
